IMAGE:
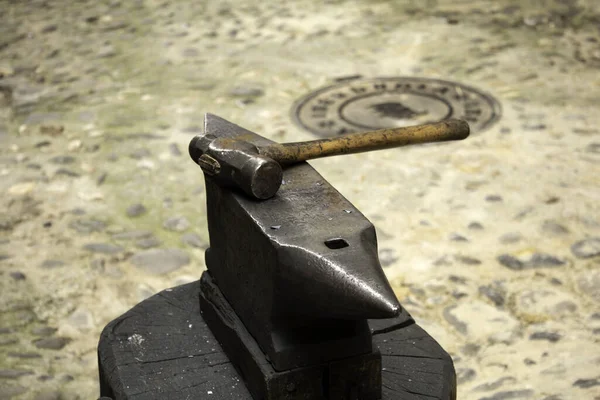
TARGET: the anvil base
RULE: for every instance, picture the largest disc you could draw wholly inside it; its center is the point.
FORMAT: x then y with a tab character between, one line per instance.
163	349
357	377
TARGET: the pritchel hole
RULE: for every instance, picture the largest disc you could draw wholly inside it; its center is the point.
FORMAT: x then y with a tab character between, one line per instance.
336	243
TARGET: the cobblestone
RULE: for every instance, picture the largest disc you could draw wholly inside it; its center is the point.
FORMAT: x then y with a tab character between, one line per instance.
491	243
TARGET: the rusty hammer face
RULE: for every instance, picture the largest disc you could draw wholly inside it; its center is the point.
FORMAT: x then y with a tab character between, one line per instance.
236	163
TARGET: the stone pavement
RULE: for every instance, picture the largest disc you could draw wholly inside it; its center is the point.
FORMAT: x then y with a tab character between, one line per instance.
493	244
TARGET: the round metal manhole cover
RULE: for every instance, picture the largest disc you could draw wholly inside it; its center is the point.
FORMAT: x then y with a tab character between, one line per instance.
360	105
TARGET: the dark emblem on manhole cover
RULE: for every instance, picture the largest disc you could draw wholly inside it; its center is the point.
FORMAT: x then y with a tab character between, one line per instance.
368	104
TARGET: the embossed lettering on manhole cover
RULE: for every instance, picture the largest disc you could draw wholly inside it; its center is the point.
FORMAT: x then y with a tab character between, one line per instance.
368	104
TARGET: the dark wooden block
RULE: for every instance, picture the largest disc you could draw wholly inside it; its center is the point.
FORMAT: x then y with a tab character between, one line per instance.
355	378
163	349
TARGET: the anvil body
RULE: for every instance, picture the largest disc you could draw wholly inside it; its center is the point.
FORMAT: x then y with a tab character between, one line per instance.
300	270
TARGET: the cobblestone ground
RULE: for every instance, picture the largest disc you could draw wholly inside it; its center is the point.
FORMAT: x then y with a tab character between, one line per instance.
493	244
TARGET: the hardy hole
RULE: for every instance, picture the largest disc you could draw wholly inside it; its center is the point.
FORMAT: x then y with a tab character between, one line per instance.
336	243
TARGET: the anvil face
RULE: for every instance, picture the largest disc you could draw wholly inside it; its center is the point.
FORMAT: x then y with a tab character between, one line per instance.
302	261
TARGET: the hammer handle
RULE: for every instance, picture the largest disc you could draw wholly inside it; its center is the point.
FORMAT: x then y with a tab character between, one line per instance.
290	153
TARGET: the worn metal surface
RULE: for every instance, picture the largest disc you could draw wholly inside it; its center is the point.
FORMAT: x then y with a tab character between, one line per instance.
300	269
257	170
237	163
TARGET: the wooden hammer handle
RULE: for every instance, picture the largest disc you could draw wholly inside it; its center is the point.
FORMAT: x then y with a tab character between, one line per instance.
290	153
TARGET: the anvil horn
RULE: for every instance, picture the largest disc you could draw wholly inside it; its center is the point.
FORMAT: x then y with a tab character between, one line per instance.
345	283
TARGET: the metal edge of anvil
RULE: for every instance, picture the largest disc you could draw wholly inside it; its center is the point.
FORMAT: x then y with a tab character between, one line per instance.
414	364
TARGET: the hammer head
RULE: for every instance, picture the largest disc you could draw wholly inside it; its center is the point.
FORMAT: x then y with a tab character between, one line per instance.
237	164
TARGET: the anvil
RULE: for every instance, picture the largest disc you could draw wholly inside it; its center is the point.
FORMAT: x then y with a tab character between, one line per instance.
300	275
294	301
301	272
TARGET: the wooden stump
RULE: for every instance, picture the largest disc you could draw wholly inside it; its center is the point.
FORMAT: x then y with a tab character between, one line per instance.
162	349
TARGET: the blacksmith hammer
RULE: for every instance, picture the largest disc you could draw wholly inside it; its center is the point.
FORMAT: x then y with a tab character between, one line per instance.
257	170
